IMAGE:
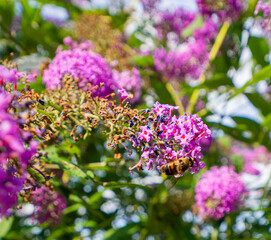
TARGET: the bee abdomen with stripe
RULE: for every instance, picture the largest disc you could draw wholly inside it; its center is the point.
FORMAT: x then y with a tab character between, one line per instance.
177	167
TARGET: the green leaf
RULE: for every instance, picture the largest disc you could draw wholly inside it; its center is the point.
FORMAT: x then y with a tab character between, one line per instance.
225	142
238	162
142	61
38	177
38	85
72	208
6	13
247	124
123	233
71	149
236	133
259	49
95	197
259	102
119	19
97	166
75	198
197	23
218	79
90	173
123	184
90	224
5	225
267	121
261	75
164	95
57	233
133	41
69	167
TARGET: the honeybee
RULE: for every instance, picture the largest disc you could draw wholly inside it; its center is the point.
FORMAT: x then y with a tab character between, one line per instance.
177	167
44	65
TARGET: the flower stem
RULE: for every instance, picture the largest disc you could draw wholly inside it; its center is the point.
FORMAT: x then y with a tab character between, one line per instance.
175	97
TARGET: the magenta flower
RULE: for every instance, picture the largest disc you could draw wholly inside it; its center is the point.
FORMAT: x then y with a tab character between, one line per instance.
219	192
165	138
10	186
12	138
163	109
147	152
86	45
32	75
251	157
49	206
13	142
123	94
206	144
5	100
146	134
265	21
166	22
68	41
189	62
225	9
89	68
249	168
207	32
8	76
149	4
261	6
131	81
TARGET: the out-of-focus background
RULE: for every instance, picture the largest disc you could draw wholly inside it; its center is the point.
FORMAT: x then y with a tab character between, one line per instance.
211	58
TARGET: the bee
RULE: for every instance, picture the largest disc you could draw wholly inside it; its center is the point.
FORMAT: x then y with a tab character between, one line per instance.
177	167
43	66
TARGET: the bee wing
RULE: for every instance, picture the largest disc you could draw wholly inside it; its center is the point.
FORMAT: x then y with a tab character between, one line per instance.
172	183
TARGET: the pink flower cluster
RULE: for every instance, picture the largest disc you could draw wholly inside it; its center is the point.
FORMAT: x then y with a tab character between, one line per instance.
252	156
265	7
190	58
207	32
219	192
9	76
86	45
13	141
188	62
131	81
90	69
49	206
266	21
149	4
10	186
166	22
166	138
224	9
